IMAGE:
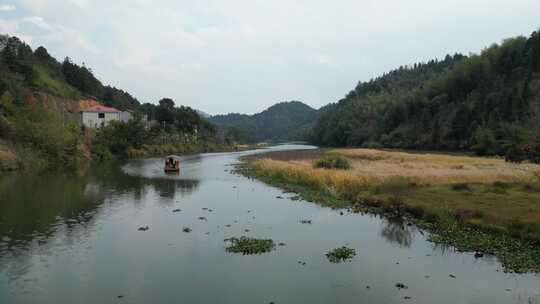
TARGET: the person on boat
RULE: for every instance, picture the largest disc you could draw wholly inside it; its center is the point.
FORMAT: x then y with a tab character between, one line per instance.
171	163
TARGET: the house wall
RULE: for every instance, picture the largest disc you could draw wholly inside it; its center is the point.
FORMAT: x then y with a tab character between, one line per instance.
92	120
125	116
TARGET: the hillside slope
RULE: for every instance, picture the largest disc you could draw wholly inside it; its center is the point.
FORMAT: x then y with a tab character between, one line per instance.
282	121
488	103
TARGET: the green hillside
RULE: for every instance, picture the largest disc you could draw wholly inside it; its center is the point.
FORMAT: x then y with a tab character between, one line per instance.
282	121
488	103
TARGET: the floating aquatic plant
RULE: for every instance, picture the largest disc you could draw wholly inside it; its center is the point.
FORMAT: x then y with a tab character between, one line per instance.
340	254
248	245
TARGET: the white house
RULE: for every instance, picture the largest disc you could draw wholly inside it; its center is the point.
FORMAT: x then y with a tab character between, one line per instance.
98	115
125	116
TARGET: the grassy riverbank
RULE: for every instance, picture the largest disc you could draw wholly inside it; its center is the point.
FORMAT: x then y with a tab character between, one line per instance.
473	203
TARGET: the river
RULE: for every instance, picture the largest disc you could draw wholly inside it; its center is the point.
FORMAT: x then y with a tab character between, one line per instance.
68	238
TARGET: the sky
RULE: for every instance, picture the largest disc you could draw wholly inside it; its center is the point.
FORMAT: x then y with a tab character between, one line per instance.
245	55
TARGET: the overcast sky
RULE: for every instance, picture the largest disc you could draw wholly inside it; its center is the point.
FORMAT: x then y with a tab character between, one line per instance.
245	55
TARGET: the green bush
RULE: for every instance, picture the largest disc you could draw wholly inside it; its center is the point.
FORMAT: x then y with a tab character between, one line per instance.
332	161
117	137
44	132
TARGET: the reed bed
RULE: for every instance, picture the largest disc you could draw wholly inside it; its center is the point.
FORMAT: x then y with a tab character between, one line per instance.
376	167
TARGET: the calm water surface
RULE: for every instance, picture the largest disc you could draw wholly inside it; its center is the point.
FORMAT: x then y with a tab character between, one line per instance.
74	239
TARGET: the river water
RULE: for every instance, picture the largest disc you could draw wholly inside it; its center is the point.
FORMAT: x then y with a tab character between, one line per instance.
68	238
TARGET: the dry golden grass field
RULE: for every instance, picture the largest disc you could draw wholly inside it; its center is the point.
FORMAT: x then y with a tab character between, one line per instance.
485	192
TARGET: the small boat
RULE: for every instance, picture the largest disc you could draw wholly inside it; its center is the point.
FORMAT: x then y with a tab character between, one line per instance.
172	164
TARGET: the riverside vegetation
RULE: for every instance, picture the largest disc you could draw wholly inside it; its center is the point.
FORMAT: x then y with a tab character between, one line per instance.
473	203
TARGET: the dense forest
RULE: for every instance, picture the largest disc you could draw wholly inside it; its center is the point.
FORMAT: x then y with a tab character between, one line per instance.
48	131
282	121
489	103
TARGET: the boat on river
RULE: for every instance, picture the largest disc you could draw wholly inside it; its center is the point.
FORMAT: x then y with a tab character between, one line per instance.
172	164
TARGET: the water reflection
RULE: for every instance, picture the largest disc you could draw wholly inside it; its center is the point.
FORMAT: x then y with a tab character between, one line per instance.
34	208
168	188
397	231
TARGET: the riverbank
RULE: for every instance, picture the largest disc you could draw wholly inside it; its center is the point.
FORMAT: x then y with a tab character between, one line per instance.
11	159
475	204
167	149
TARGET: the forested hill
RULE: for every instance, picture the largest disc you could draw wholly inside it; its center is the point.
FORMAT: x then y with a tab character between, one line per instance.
40	100
282	121
487	102
25	72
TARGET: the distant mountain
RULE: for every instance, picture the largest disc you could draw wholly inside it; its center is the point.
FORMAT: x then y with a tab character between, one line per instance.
282	121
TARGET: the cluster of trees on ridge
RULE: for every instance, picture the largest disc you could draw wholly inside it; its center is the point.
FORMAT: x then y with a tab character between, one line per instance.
32	128
489	103
282	121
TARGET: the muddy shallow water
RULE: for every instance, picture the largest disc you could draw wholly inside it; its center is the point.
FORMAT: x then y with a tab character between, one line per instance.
75	239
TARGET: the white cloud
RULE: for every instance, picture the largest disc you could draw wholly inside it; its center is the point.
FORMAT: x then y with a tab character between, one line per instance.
139	56
36	28
7	7
323	60
8	26
79	3
37	21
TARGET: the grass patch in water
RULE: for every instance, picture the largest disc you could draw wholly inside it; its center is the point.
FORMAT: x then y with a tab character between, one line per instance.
248	245
341	254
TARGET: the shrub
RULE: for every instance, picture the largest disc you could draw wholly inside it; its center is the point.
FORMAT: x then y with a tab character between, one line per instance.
118	137
514	155
44	131
332	161
461	187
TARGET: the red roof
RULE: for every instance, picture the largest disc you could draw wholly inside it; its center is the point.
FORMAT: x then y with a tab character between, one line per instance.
83	104
101	109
